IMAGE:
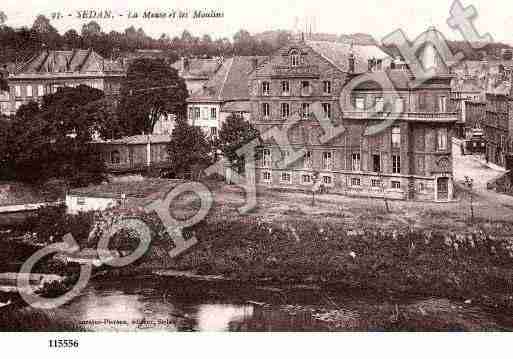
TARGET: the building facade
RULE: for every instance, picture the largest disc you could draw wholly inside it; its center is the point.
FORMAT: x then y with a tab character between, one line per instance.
196	72
135	153
409	158
225	93
45	72
495	126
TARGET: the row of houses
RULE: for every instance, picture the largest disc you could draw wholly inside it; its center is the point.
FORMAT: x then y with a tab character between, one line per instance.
48	70
410	158
485	118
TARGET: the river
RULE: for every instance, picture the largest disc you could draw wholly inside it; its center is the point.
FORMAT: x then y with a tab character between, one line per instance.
152	303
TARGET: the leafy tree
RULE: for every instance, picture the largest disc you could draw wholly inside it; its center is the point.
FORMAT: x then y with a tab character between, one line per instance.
4	86
92	28
72	39
53	140
189	149
5	160
150	90
42	25
3	18
48	34
64	110
235	133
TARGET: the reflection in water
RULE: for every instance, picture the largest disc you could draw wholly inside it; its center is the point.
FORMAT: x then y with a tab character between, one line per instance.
217	317
148	307
156	304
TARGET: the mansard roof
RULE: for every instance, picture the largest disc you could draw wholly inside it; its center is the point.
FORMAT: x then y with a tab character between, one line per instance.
197	69
230	82
68	62
402	80
337	53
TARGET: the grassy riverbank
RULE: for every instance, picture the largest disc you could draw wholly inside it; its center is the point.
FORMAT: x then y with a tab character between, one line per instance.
425	249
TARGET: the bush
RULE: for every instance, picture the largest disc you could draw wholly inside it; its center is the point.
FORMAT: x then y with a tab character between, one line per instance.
51	223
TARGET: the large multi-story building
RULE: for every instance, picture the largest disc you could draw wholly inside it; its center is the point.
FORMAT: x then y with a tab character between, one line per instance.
225	93
408	159
49	70
495	126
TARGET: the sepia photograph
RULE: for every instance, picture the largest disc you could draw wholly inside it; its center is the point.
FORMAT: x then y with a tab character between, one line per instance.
273	166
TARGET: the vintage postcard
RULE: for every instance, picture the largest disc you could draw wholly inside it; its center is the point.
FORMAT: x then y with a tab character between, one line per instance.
173	166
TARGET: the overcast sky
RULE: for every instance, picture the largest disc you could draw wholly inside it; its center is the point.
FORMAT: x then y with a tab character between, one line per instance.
375	17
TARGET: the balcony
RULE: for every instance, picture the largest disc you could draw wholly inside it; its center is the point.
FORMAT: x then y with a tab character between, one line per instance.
440	117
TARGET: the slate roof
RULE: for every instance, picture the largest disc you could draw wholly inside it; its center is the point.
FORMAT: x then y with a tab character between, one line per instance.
468	85
337	53
84	62
236	106
135	189
198	69
138	140
397	79
230	83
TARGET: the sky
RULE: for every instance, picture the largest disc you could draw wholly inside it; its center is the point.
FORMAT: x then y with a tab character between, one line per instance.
375	17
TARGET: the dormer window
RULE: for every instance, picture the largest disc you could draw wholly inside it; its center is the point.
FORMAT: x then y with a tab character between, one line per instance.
294	58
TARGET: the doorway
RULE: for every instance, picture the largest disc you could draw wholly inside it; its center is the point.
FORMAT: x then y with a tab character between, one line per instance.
442	188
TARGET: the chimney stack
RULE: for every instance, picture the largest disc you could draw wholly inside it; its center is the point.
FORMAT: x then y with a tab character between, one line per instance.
254	63
351	61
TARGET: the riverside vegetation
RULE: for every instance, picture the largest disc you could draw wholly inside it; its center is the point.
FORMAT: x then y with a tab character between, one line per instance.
307	246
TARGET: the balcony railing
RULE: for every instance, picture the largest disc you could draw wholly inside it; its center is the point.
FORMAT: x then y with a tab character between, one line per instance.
405	116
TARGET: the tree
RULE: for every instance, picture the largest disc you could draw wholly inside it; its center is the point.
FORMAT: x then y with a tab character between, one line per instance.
150	91
3	18
42	25
234	134
90	29
5	160
383	191
316	185
4	85
72	39
54	140
64	110
469	183
47	32
189	149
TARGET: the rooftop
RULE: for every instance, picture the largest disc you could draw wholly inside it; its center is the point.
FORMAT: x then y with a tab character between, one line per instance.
199	69
230	83
338	54
138	140
146	189
52	62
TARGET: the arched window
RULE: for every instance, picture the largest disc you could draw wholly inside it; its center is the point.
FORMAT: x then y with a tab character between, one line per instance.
115	157
294	58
